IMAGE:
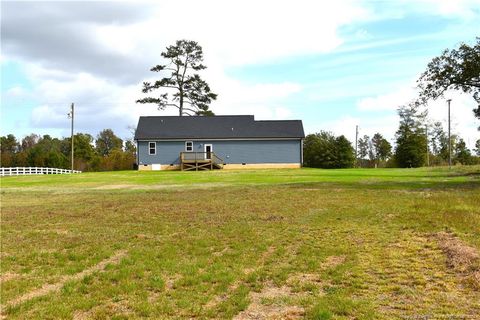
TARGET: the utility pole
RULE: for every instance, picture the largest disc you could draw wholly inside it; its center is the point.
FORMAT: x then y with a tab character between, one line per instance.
428	150
449	139
356	146
71	115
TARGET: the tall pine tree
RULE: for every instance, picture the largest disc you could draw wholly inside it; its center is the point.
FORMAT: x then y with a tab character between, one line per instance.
411	140
183	88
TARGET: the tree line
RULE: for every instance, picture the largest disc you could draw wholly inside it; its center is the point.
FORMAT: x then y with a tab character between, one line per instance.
418	142
106	152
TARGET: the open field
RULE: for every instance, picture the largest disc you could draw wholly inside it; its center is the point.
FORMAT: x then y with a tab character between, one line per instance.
298	243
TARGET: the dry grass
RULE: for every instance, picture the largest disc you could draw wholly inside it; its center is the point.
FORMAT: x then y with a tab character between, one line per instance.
213	303
48	288
273	308
253	247
275	302
7	276
461	257
108	310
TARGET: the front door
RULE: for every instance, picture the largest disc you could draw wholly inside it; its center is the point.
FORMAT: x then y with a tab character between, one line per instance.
208	152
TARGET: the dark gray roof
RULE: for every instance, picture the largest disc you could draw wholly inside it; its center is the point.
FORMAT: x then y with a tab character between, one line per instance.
216	127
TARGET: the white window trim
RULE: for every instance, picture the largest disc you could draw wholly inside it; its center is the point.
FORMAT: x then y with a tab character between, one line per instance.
205	150
186	149
150	149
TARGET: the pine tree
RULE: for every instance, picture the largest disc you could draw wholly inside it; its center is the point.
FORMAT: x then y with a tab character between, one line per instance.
183	88
381	148
462	154
411	140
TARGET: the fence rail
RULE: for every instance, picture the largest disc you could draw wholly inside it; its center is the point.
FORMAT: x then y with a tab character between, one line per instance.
17	171
200	160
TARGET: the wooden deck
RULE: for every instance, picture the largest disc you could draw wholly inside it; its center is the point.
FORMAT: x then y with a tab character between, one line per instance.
199	161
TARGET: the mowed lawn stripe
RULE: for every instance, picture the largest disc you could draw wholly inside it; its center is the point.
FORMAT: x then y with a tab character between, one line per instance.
48	288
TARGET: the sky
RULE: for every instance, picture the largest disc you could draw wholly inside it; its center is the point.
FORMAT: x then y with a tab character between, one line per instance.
333	64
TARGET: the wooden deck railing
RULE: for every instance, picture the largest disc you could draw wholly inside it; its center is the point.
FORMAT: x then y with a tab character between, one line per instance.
200	160
16	171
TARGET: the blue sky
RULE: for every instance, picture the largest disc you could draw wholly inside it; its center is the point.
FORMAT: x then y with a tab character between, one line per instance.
333	65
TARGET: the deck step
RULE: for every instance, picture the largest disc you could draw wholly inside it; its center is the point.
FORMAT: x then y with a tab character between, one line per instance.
199	161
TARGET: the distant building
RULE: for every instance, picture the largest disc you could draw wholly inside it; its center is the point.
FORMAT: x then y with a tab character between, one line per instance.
228	142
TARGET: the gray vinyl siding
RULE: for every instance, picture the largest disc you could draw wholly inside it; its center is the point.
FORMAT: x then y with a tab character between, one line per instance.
231	151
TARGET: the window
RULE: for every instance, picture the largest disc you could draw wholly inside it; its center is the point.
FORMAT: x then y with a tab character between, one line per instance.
188	146
152	148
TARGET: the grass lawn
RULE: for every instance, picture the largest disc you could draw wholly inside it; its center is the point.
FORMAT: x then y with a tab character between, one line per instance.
262	244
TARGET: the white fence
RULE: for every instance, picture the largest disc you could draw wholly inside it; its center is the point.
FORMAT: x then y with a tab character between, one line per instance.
16	171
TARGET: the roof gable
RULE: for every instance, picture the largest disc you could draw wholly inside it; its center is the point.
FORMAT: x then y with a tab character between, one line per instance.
216	127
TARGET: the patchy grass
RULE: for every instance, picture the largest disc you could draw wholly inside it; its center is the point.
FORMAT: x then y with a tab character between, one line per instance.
141	180
320	244
461	257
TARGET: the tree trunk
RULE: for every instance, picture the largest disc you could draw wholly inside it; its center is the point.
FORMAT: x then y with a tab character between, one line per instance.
180	109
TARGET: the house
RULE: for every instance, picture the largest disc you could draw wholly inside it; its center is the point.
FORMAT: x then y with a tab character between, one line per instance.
228	142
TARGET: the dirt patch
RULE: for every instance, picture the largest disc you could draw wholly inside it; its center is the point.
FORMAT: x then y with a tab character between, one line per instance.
222	297
248	271
461	257
48	288
170	281
333	261
270	303
267	254
275	308
153	297
61	232
234	286
114	187
112	308
273	218
221	253
157	186
143	236
7	276
306	278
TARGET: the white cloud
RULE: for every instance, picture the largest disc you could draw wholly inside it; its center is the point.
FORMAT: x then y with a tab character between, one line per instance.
16	92
463	121
252	31
387	102
384	124
231	34
462	9
48	116
465	9
99	104
102	104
